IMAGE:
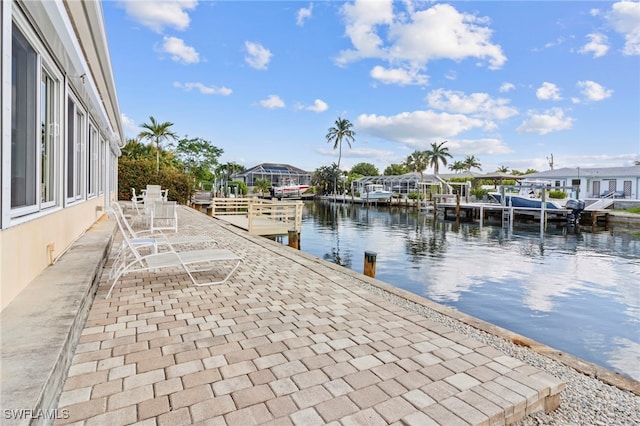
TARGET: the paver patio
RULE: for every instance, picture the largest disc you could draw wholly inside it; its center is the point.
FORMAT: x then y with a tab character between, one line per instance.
289	340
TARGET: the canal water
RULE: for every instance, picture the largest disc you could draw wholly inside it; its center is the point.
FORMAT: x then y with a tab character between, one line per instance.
572	289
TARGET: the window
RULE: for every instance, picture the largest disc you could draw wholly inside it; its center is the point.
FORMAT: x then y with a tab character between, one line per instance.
102	152
92	163
24	70
75	150
49	131
35	112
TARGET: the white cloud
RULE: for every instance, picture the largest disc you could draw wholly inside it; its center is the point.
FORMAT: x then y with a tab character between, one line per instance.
205	90
592	91
549	121
318	106
624	17
507	87
303	14
598	45
484	146
272	102
479	104
399	76
129	125
179	51
417	128
362	19
416	37
157	15
548	92
258	56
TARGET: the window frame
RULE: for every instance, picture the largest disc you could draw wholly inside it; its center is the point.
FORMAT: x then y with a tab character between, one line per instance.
45	126
75	158
93	167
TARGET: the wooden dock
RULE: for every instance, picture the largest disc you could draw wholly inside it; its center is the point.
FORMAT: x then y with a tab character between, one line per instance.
257	216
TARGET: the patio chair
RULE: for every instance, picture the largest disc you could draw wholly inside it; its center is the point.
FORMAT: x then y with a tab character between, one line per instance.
163	216
156	191
132	258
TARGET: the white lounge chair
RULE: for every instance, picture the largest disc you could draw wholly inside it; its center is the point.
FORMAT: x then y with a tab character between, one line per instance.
158	235
132	259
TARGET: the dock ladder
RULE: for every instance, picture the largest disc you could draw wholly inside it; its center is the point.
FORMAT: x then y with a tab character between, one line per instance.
506	217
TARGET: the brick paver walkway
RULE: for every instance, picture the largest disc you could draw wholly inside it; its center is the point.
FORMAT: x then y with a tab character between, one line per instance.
288	340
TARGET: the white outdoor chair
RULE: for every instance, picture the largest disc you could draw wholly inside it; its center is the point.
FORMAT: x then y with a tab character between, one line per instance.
133	259
159	236
164	216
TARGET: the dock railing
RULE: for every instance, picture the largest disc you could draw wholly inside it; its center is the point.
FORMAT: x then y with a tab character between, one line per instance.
263	217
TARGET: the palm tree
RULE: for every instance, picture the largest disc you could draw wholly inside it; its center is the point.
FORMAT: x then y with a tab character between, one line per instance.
157	132
340	130
471	162
502	169
418	161
438	154
457	166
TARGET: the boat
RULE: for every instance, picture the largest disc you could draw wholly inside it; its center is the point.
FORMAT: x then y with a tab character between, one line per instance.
288	190
374	191
529	196
522	201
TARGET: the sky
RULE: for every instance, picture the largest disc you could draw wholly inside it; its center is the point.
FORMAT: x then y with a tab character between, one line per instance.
517	84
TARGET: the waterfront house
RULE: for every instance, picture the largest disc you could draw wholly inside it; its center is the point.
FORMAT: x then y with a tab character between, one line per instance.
61	133
615	182
277	174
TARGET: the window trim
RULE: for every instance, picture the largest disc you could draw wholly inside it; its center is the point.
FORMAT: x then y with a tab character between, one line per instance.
78	153
45	66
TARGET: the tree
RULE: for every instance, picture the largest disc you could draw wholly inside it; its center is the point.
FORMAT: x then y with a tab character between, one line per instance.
325	177
364	169
199	156
227	169
457	166
418	161
395	170
530	171
135	150
157	132
471	162
341	130
438	154
502	169
262	184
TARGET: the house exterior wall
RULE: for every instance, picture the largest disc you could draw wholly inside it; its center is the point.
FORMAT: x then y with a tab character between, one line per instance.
61	133
25	248
595	182
591	187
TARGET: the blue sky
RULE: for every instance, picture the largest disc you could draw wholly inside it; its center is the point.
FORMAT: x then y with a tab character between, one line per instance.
511	83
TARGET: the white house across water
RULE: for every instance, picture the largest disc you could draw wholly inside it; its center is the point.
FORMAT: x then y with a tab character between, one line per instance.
61	133
614	182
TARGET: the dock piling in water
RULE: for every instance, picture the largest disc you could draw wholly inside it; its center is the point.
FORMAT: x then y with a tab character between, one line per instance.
370	263
294	239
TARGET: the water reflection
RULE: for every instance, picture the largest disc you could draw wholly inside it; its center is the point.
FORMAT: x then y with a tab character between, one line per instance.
574	290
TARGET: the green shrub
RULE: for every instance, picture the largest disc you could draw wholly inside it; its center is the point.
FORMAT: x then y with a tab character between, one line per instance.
139	173
243	188
479	193
557	194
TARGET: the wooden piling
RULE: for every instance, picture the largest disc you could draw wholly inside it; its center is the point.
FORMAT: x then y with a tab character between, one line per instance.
294	239
370	263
